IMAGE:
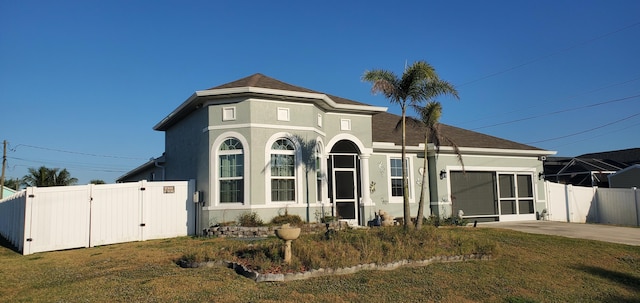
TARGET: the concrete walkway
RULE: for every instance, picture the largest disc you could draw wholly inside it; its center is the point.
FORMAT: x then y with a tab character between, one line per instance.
607	233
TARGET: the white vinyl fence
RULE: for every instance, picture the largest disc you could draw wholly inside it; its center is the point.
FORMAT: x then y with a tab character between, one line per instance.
568	203
40	219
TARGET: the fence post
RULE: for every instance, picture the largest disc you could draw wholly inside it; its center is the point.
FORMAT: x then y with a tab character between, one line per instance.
635	197
567	198
597	202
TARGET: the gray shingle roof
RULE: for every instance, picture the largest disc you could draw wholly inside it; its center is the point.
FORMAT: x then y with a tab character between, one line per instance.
385	129
260	80
384	124
628	156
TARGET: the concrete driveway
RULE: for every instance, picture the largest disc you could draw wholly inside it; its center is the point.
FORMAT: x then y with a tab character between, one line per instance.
607	233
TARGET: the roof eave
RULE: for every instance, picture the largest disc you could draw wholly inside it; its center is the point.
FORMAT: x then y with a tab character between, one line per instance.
387	146
172	116
325	101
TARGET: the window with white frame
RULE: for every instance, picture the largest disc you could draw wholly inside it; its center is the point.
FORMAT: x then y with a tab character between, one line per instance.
516	193
395	166
283	171
231	175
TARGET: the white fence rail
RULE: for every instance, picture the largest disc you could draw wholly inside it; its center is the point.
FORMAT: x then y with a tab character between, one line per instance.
54	218
568	203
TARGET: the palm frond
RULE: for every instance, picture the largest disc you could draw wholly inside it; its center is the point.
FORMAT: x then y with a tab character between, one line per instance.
432	89
383	81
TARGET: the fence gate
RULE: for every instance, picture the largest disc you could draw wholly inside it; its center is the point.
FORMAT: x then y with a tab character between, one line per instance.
56	218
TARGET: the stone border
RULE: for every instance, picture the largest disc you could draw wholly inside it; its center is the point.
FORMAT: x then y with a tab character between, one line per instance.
267	231
314	273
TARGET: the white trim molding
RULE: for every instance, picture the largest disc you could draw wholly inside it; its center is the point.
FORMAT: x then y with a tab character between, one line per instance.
214	168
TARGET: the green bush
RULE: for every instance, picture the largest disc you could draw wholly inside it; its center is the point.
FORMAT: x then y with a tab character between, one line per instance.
250	219
437	221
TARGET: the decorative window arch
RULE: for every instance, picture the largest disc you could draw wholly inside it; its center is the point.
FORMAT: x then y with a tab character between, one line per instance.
231	171
283	166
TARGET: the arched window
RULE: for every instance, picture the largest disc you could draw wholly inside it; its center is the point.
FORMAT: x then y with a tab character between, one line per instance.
231	178
283	171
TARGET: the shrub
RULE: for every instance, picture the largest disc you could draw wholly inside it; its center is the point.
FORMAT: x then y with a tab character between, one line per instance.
437	221
250	219
287	218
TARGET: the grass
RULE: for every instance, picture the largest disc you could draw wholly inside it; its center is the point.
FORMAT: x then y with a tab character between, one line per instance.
526	268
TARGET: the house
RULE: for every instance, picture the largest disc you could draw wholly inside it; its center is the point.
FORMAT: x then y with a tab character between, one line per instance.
262	145
593	169
626	178
6	192
580	171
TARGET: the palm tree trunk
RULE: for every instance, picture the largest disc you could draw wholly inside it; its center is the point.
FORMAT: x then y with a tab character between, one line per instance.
423	190
405	185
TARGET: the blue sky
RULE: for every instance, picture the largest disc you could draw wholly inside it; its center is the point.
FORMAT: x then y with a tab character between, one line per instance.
83	82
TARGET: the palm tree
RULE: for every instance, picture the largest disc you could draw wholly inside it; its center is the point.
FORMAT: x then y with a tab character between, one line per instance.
63	178
429	117
13	183
419	83
44	177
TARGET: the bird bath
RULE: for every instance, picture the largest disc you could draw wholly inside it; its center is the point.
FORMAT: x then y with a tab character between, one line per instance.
288	234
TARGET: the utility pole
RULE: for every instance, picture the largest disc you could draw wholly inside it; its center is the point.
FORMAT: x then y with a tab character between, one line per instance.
4	164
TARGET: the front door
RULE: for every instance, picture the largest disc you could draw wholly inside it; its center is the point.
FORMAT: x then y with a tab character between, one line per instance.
345	195
344	185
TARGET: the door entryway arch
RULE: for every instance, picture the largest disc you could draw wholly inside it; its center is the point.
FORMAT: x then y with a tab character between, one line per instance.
345	181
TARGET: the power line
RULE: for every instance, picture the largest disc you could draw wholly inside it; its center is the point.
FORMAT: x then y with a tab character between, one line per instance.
539	104
596	136
586	131
77	153
559	112
71	163
69	166
548	55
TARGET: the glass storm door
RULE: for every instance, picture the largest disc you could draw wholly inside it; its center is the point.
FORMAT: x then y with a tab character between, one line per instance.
345	195
344	183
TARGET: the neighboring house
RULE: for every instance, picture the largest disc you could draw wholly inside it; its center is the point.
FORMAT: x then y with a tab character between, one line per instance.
593	169
6	192
626	178
628	156
580	171
258	144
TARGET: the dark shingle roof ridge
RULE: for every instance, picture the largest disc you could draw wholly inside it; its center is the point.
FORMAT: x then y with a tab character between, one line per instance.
629	155
384	131
517	145
263	81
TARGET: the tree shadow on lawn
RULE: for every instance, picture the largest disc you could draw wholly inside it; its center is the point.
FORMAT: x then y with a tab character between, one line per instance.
626	280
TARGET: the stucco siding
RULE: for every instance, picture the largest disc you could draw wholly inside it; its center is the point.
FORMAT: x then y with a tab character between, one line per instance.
186	147
440	187
360	126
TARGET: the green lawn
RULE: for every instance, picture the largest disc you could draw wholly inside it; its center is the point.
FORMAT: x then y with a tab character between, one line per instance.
525	268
